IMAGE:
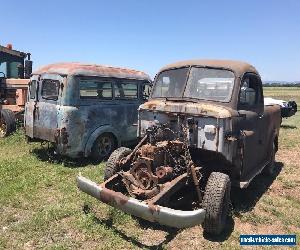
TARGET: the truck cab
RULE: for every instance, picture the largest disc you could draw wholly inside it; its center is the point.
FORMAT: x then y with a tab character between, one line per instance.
204	129
224	102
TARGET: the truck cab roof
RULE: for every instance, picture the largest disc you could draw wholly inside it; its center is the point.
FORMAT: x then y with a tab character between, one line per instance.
81	69
238	67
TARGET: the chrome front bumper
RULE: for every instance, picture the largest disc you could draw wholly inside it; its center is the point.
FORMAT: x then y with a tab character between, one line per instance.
154	213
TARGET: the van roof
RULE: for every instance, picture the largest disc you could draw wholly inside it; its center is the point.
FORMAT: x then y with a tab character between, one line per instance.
75	68
238	67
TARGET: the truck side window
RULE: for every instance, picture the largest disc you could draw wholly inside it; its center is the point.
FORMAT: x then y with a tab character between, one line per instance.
50	89
126	90
32	89
94	89
250	92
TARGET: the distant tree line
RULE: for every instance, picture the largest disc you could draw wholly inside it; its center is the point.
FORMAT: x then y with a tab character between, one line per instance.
280	84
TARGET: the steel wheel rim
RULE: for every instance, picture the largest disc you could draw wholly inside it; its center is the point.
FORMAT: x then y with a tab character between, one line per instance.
105	145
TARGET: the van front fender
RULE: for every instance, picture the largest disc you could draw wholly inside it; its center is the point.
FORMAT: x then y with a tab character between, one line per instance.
96	134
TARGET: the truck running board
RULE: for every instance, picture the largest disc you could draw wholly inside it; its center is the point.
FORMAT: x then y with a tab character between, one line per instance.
154	213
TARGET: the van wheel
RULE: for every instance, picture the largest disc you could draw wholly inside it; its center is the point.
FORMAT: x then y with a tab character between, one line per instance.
103	147
269	169
7	122
216	202
112	166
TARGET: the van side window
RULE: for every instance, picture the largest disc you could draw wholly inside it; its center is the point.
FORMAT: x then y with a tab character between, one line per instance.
50	89
92	89
250	92
146	91
32	89
126	90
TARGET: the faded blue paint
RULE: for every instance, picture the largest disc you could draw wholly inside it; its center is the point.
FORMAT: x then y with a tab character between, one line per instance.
73	124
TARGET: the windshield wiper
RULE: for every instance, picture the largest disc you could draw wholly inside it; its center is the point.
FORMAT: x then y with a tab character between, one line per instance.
174	99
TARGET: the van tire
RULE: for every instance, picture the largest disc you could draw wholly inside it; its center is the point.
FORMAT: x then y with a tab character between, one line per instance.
112	166
103	146
7	123
216	202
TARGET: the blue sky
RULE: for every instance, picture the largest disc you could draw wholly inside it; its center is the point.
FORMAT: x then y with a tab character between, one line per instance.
146	35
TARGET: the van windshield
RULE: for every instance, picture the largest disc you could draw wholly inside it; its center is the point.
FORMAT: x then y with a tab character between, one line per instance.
198	83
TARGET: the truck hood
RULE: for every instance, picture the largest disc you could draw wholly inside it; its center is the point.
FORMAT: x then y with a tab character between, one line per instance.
196	109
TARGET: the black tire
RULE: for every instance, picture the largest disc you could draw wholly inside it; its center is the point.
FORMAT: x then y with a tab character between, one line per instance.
216	202
112	167
7	122
104	145
270	168
13	120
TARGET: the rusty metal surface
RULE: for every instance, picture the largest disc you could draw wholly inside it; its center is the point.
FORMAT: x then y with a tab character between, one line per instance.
12	51
73	123
91	70
156	167
17	83
238	67
154	213
188	108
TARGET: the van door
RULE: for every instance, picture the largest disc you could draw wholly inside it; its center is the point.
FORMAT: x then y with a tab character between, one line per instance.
127	93
46	108
32	98
250	108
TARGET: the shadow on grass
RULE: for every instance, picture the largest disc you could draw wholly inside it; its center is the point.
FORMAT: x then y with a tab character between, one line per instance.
171	232
288	127
224	235
244	200
48	155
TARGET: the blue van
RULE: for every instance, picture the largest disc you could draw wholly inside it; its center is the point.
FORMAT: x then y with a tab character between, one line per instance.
85	110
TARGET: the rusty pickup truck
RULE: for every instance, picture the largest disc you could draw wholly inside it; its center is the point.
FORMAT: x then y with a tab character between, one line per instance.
85	110
204	129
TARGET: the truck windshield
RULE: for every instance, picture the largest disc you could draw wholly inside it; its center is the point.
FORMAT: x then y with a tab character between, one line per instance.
199	83
170	83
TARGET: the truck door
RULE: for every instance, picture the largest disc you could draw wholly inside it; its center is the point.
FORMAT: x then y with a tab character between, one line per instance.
250	108
46	108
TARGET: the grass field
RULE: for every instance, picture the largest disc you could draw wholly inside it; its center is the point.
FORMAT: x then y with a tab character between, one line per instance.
40	206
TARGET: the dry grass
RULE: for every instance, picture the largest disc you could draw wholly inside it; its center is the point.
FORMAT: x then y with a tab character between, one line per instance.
40	206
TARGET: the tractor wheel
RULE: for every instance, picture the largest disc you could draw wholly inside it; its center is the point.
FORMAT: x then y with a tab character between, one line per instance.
13	120
7	122
104	145
216	202
111	164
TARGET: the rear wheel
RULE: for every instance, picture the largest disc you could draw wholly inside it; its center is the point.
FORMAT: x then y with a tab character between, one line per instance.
216	202
103	147
269	169
7	122
112	166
